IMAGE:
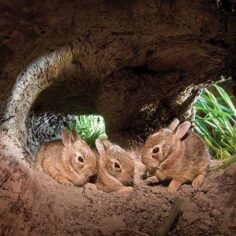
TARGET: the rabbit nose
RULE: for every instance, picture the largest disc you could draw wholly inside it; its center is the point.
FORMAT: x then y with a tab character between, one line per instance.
88	173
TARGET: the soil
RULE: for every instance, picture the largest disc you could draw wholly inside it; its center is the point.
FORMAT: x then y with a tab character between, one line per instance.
32	203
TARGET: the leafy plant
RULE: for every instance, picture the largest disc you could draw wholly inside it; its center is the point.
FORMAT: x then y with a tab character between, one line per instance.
89	127
215	122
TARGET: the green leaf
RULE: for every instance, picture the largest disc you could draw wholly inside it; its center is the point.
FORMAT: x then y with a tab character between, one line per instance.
89	127
215	121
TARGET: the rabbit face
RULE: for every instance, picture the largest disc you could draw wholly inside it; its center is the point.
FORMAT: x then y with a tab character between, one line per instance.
79	157
120	165
114	161
158	147
163	143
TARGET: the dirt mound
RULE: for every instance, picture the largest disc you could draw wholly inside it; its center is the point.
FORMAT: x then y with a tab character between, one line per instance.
33	203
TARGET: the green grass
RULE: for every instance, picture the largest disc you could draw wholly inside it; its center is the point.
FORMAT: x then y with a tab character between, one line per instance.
227	162
215	122
89	127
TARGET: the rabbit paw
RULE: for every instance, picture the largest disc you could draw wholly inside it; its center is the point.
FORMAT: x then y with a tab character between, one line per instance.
62	180
198	181
90	186
151	180
126	190
174	186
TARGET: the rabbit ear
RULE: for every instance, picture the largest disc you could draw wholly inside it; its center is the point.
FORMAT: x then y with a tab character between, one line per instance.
106	143
75	135
101	151
173	125
100	147
67	138
182	129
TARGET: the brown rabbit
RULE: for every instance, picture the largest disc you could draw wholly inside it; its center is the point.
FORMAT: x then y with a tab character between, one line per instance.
115	168
70	161
176	154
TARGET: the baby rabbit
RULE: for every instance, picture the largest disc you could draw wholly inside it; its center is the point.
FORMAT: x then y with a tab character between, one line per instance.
176	154
115	168
69	161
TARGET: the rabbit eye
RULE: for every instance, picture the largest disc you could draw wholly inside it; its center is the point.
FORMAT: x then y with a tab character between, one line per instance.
116	165
156	150
80	159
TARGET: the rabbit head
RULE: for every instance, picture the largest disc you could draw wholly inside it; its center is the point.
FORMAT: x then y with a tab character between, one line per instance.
78	158
115	163
164	142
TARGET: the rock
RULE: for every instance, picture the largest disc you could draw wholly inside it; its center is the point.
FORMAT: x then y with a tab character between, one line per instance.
111	224
190	217
202	200
188	206
215	213
203	227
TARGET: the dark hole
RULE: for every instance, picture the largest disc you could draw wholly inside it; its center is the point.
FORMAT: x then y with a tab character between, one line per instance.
142	70
219	43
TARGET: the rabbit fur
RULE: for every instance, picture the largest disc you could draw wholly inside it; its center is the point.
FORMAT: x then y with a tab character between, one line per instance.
175	153
115	168
69	161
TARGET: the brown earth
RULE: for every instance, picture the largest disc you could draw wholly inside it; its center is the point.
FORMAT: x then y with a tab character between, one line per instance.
32	203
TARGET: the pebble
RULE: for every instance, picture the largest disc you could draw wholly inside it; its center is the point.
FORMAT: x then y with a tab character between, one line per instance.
204	228
111	224
190	217
189	206
203	200
215	212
